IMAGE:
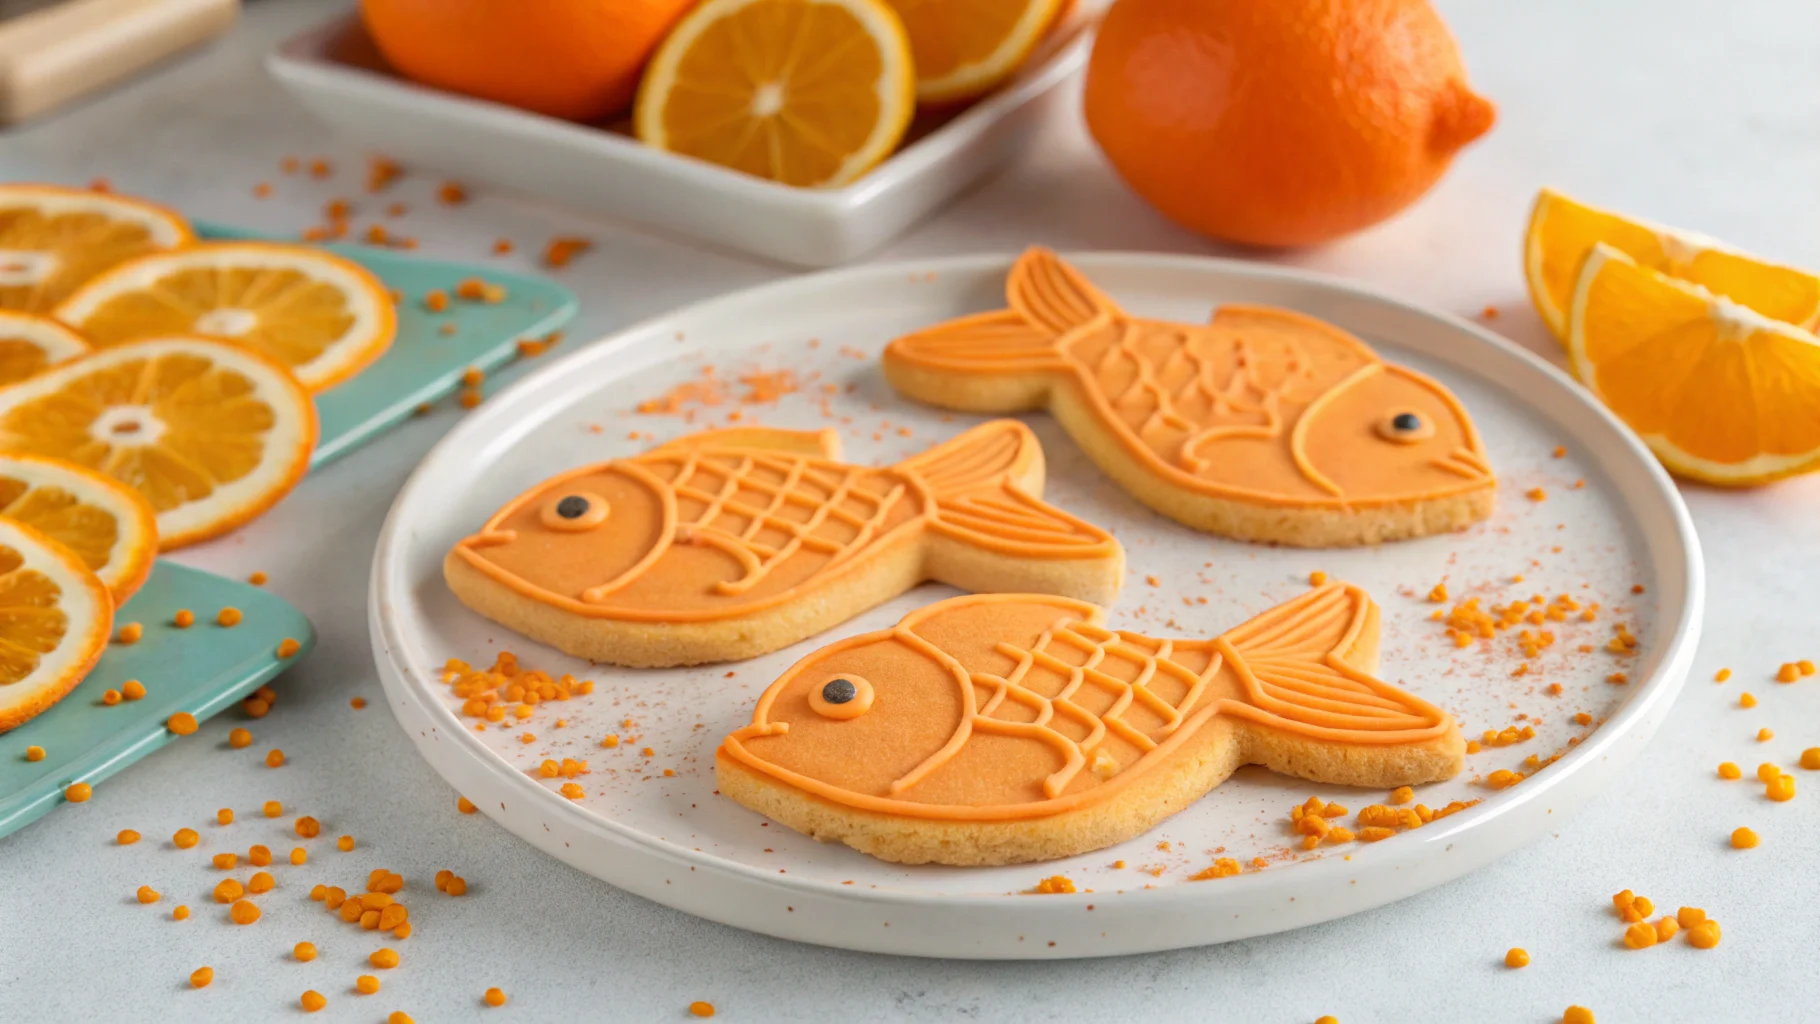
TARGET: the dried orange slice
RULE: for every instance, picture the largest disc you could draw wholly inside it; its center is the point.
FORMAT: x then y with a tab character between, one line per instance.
29	343
1562	232
1718	391
105	522
55	617
322	316
965	48
803	92
210	434
52	239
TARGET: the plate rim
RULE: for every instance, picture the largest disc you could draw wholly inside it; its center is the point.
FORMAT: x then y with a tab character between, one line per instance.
1614	743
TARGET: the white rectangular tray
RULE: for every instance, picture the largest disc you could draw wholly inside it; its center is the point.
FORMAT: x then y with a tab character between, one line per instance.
336	71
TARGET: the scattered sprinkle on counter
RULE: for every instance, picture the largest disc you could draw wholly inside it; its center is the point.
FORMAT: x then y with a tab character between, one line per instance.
262	881
299	856
1517	957
147	894
184	838
78	793
225	861
228	890
701	1008
1810	758
272	808
1704	935
366	984
563	249
308	827
304	951
243	912
201	976
1765	734
399	1017
181	913
1722	675
111	698
464	805
312	1001
1744	839
345	844
495	997
259	856
1730	771
1745	700
384	958
274	758
1578	1015
126	837
182	723
257	579
1780	789
357	703
1054	884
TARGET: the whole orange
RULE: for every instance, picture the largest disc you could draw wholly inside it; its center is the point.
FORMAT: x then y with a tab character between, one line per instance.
577	59
1279	122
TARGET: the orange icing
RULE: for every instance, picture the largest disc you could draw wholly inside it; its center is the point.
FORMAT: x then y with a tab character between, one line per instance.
1001	707
1261	405
729	522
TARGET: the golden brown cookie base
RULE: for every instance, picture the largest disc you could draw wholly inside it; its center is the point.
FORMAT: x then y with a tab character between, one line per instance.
1213	755
1289	525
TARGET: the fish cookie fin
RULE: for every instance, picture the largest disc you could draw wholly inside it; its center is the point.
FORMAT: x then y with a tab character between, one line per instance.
824	443
990	533
1309	662
1053	296
1002	341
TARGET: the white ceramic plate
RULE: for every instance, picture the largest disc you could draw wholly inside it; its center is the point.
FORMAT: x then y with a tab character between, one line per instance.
670	838
336	72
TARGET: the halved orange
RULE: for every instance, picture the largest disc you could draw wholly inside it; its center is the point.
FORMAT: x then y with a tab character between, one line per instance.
210	434
966	48
55	617
322	316
105	522
803	92
1720	392
1562	231
53	239
29	343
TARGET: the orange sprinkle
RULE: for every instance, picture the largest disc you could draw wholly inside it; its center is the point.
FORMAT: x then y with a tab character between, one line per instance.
111	698
452	193
226	861
1768	771
1517	957
610	740
182	723
1687	917
382	172
701	1008
258	856
1788	673
78	792
357	703
308	827
180	913
1438	594
132	689
457	886
366	984
129	633
464	805
1641	935
126	837
1810	758
243	912
502	246
185	838
255	708
229	617
469	398
1765	735
1745	700
399	1017
228	890
565	248
1536	494
201	976
572	791
436	300
384	958
1780	789
1744	839
274	758
1317	578
262	881
1502	779
261	190
345	844
288	647
1722	675
257	579
1704	935
312	1001
495	997
147	894
272	808
34	753
1729	771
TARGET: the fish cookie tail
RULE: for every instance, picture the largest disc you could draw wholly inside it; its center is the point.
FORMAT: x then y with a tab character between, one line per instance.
993	533
1006	360
1306	669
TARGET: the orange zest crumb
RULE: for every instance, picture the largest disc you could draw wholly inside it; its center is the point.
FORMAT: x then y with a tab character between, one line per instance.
366	984
345	844
308	827
452	193
564	248
1536	494
1053	885
225	861
262	881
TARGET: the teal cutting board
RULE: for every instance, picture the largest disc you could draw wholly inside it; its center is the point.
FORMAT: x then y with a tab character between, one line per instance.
202	670
424	364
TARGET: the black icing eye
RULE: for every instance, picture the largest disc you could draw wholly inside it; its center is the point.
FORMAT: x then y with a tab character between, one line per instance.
1405	426
839	691
573	513
842	697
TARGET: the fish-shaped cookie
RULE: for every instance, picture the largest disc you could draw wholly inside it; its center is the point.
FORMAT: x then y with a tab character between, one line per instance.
732	543
1006	728
1262	425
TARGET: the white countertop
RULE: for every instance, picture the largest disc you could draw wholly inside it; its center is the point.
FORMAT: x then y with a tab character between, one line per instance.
1665	108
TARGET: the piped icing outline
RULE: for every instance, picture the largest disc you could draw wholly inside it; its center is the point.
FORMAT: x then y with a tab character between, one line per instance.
1052	308
964	488
1319	695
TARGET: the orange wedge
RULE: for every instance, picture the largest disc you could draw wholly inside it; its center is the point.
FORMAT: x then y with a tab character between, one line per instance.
322	316
52	239
55	617
965	48
803	92
1562	232
105	522
29	343
210	434
1720	392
